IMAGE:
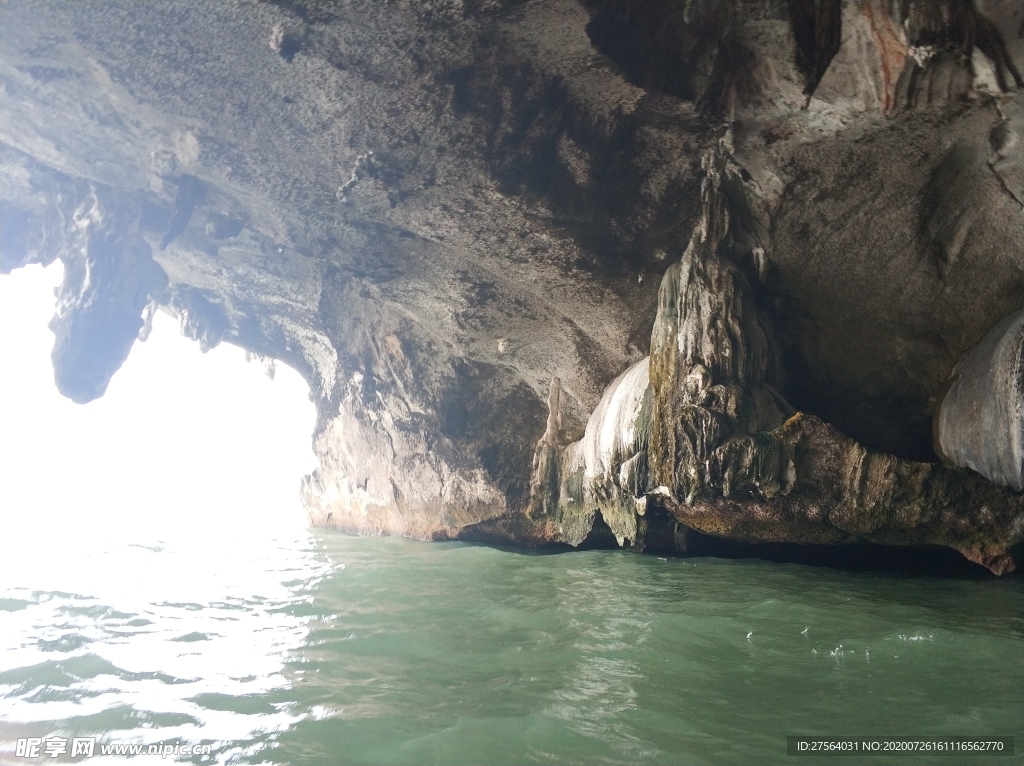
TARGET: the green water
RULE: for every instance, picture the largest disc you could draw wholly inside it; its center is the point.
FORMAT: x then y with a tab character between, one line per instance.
321	648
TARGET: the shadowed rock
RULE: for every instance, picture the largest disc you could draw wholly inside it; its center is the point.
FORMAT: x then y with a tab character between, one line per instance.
189	190
109	279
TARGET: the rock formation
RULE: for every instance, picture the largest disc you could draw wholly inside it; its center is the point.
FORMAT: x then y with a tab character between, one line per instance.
726	259
980	422
698	430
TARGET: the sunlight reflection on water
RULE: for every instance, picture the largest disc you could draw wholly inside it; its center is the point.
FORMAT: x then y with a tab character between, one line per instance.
157	640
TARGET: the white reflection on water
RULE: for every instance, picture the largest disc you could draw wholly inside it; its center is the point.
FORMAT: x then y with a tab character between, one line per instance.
157	640
155	568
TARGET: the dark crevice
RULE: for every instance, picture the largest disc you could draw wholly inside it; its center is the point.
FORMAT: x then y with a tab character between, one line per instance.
666	46
817	30
916	560
600	537
189	191
893	424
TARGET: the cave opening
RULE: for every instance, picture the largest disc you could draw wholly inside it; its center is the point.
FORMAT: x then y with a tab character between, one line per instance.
183	443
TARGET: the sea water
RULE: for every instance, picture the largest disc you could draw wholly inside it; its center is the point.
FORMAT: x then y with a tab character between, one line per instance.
305	647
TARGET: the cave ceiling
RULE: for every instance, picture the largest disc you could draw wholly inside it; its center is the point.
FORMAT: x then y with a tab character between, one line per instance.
434	209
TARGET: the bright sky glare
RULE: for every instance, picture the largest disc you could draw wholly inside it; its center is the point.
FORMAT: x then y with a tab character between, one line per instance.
181	443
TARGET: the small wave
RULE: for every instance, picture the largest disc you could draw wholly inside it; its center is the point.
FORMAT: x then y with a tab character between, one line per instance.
94	612
69	642
14	604
243	704
189	638
69	671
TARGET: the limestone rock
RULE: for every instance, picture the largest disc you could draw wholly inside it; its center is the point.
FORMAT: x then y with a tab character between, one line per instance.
980	421
697	430
431	210
110	278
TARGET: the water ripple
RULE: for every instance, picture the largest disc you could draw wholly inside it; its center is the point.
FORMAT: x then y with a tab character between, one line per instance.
330	649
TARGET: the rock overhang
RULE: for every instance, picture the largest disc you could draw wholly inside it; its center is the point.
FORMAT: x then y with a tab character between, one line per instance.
441	210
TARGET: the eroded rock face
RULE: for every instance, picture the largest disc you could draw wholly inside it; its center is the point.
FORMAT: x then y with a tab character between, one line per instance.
705	437
980	422
432	210
710	367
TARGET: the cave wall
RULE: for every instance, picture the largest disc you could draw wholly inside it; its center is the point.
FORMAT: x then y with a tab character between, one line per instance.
432	210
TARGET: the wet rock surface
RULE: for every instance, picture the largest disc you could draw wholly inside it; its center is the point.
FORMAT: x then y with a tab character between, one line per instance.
750	241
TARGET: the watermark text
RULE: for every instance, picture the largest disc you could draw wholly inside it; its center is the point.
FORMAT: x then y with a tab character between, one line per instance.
87	747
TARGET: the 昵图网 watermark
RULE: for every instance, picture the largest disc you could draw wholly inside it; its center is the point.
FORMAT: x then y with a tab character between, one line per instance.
87	747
